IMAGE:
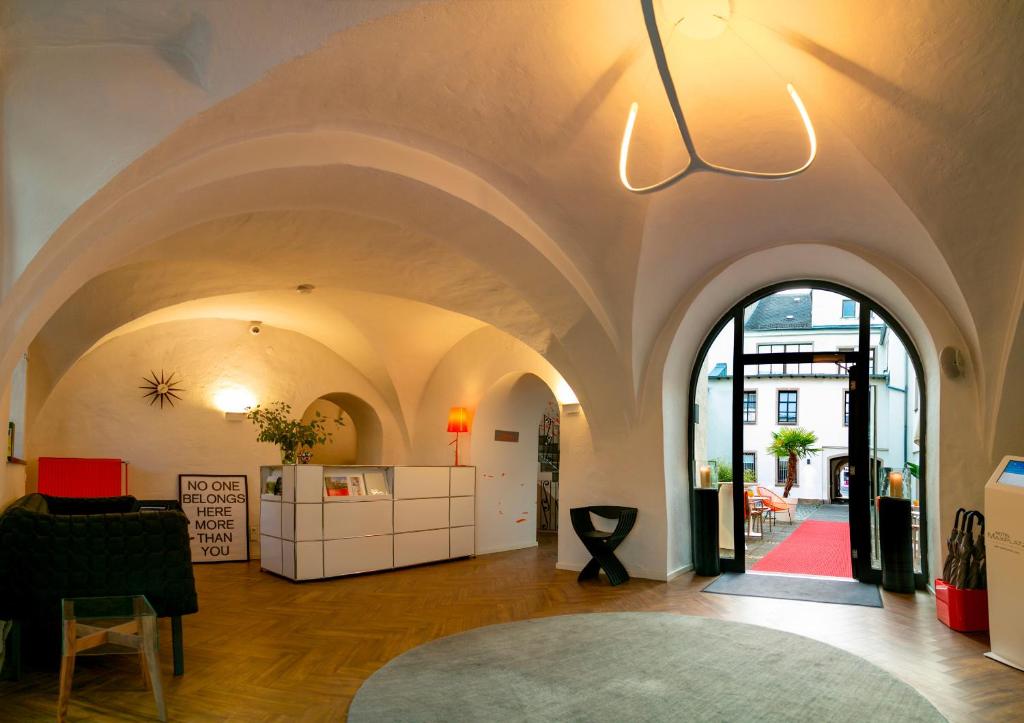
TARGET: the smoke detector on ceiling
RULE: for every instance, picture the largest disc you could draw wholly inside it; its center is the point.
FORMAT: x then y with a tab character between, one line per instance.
255	327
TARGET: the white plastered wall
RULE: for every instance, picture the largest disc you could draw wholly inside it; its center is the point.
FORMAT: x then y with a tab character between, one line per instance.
97	410
626	470
506	483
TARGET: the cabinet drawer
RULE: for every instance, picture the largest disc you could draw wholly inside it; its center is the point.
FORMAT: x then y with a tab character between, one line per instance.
359	554
412	548
270	519
288	559
309	522
429	514
462	542
356	519
309	560
462	511
270	554
421	482
463	481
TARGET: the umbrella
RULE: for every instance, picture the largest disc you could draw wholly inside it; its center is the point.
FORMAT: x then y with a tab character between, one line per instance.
976	573
951	545
965	553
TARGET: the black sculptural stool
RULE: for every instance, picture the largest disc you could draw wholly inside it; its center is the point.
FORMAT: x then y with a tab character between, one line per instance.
601	545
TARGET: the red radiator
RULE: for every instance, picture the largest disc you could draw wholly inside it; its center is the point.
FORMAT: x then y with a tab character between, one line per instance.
77	477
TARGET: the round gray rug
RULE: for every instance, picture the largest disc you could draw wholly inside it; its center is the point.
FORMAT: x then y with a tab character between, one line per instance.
633	666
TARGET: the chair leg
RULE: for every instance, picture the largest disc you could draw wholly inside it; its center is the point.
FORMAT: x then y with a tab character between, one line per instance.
151	663
67	670
591	569
615	570
178	645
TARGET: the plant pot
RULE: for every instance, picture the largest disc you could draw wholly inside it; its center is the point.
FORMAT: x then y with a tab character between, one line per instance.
288	456
305	455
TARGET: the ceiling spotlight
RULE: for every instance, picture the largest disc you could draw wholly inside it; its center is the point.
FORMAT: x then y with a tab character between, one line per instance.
305	288
698	25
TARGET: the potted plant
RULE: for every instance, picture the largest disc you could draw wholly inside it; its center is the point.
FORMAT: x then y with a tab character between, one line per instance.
292	436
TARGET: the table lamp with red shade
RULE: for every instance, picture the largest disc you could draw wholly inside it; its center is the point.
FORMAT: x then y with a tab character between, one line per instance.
458	422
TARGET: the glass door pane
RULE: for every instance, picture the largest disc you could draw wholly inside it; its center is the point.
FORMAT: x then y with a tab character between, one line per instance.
875	471
712	432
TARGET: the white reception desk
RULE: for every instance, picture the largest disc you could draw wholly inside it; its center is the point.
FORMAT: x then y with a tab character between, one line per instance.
407	516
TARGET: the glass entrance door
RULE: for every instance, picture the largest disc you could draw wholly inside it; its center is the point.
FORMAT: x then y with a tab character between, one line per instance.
824	363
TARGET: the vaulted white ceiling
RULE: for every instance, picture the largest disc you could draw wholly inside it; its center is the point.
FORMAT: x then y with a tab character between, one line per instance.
512	212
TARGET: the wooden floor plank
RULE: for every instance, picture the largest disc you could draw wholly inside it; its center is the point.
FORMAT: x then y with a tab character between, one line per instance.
265	649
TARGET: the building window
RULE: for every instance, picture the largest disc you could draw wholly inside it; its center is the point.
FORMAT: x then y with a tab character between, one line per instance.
849	309
784	368
787	406
750	467
782	469
749	407
846	407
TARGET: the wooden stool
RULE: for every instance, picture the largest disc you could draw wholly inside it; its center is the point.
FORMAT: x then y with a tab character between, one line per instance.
109	626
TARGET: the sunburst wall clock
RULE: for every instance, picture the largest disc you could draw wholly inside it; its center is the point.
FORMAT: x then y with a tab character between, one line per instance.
162	388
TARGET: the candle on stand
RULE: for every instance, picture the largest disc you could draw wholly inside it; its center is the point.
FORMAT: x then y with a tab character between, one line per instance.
895	484
705	477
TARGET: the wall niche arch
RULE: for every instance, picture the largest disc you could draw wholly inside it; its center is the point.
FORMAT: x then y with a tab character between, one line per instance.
360	440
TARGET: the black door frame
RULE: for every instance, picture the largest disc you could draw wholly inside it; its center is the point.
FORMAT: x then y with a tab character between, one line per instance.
858	444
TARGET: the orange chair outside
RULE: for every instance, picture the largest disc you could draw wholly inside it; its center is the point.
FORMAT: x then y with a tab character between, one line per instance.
776	502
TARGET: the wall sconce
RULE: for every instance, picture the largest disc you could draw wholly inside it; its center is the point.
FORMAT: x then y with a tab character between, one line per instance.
458	422
567	398
709	17
234	400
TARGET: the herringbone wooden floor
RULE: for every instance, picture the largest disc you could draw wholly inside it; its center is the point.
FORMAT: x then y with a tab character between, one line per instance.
264	649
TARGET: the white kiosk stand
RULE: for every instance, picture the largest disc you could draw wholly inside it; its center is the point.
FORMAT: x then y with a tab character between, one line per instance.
1004	546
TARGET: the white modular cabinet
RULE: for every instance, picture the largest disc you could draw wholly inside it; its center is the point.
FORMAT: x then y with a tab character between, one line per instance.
428	514
358	530
462	512
421	514
435	513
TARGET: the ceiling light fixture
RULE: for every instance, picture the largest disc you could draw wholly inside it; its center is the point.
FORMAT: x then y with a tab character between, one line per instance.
696	163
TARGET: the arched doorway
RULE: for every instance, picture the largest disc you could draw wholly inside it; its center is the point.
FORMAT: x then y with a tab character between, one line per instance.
826	364
359	440
505	447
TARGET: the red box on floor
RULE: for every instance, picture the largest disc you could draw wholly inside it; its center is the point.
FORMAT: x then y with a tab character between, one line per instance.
965	611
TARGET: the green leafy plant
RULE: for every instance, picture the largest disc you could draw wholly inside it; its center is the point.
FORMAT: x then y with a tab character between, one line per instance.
725	473
794	444
276	426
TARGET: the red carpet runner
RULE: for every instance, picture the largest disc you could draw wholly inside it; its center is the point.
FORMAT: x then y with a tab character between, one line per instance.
816	547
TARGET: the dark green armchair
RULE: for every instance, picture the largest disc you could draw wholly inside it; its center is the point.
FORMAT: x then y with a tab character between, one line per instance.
61	547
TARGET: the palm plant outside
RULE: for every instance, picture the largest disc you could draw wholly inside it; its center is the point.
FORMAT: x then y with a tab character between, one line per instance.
794	443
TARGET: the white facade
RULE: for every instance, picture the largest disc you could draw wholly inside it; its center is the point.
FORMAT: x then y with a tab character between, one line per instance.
820	398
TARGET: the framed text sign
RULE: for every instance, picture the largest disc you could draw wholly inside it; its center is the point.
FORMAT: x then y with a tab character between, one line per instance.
217	507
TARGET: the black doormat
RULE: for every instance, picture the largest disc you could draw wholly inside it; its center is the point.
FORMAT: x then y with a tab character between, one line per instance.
791	587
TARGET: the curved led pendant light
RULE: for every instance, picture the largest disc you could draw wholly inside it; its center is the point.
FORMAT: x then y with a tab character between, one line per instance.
697	163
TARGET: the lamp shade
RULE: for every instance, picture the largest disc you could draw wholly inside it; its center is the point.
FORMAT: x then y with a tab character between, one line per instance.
458	420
